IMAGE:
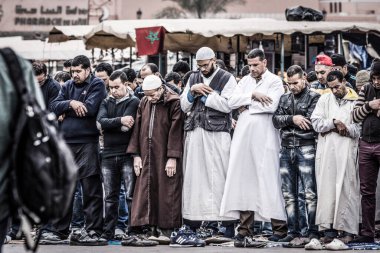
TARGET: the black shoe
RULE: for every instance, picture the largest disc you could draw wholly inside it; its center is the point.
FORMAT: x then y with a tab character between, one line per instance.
314	236
275	237
137	241
248	242
82	238
287	238
363	239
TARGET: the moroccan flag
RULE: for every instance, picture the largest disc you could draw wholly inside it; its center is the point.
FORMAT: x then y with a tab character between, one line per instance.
150	40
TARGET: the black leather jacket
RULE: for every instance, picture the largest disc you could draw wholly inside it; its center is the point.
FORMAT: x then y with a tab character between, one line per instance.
289	106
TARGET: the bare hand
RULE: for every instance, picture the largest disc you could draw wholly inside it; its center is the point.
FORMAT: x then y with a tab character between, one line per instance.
170	167
137	165
262	98
374	104
301	122
79	108
127	121
61	117
201	88
341	127
233	123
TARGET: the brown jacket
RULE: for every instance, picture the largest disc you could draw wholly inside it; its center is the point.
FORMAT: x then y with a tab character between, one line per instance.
157	136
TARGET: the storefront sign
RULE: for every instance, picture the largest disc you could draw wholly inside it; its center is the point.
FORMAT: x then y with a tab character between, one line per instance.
31	15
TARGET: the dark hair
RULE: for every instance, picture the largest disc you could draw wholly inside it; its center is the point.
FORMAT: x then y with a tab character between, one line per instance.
81	60
104	67
245	70
153	67
181	66
67	64
173	76
256	53
119	74
62	76
311	77
130	73
39	68
338	60
295	70
221	64
352	69
333	75
375	68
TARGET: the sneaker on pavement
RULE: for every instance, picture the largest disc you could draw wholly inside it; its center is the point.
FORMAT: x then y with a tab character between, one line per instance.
7	239
50	238
287	238
118	234
275	237
137	241
82	238
185	238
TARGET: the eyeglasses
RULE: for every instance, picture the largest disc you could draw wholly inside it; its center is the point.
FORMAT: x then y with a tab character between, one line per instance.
204	66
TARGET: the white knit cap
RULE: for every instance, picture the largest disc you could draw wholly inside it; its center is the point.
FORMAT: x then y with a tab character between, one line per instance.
204	53
151	82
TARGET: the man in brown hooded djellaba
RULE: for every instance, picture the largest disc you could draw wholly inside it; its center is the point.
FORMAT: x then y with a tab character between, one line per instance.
156	145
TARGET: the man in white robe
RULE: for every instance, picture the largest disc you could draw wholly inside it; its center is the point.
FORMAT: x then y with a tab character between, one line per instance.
207	141
335	164
253	184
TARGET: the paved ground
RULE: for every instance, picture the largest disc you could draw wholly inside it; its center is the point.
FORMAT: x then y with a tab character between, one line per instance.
19	248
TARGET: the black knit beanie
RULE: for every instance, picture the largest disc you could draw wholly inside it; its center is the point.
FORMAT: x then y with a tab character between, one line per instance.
375	68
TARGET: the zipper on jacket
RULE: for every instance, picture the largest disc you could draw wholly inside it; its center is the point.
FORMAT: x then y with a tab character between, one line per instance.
151	122
294	135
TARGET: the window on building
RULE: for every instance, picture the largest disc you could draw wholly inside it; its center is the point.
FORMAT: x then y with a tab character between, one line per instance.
340	6
335	7
331	7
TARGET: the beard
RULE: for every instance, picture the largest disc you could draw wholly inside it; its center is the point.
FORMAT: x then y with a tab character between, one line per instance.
212	70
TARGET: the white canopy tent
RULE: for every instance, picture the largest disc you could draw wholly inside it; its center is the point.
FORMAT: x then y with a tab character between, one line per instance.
190	34
65	33
42	50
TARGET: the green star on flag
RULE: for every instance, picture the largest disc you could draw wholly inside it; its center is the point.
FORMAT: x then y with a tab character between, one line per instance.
153	36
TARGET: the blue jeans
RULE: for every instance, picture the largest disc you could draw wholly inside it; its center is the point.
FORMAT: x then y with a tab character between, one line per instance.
122	221
116	170
77	221
302	209
298	165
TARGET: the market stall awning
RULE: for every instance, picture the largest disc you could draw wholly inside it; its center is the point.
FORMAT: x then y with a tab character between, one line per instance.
42	50
190	34
65	33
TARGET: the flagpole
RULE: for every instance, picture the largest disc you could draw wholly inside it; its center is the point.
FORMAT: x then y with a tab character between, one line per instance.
160	63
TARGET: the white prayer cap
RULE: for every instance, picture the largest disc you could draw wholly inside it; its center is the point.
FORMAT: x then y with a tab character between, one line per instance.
204	53
151	82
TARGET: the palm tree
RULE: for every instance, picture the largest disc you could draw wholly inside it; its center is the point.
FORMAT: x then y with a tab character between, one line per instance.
197	7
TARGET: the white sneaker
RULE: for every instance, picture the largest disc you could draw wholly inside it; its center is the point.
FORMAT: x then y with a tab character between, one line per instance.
336	244
7	239
314	244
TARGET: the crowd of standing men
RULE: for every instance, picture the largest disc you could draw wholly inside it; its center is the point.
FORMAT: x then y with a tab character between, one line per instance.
186	159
